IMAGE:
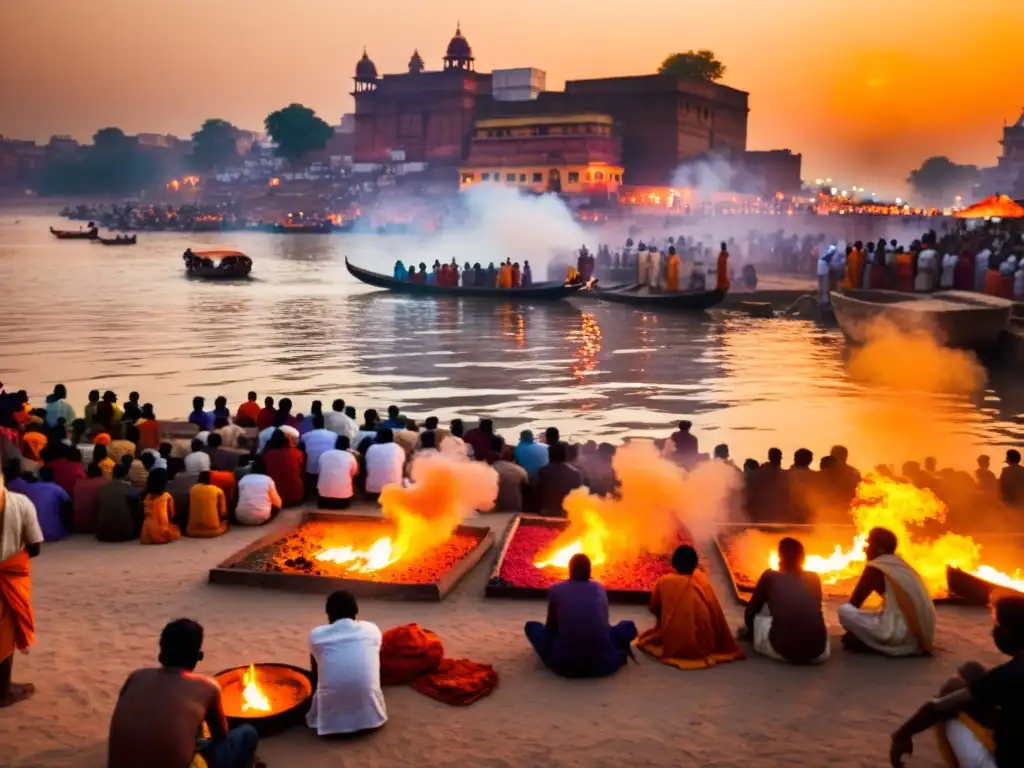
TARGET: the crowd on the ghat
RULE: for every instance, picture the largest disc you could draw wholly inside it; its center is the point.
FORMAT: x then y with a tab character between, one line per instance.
118	473
191	217
506	275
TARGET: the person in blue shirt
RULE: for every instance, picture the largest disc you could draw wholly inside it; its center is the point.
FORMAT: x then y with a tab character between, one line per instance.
220	409
529	454
394	419
52	503
400	271
316	409
199	417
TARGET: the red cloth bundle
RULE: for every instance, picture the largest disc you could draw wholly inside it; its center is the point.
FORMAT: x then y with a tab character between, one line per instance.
412	654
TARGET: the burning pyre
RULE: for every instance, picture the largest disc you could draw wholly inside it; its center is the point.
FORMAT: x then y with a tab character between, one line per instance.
917	517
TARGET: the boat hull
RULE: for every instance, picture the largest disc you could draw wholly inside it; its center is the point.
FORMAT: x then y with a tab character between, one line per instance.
697	301
114	241
61	234
956	318
539	292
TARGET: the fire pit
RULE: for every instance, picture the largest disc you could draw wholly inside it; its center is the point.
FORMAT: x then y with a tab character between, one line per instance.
329	551
269	697
521	570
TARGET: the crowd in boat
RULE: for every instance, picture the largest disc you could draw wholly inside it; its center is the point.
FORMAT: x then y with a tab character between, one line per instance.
507	274
679	265
115	473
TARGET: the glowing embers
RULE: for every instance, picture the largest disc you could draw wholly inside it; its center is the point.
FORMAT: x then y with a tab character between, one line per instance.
531	561
360	553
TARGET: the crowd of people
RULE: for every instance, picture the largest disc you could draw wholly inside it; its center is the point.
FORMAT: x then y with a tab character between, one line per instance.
506	275
113	472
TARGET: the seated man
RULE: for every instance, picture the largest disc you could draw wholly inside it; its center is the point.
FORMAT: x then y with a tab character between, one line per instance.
165	716
208	510
978	714
783	618
555	480
691	631
345	658
576	640
119	514
906	624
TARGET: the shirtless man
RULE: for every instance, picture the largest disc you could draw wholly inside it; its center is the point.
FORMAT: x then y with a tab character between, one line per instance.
159	715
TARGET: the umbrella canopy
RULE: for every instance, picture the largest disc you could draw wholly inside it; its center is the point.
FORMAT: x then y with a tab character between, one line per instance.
993	207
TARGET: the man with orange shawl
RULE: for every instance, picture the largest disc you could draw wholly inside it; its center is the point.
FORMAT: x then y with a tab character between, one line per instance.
691	631
20	539
906	624
977	715
855	266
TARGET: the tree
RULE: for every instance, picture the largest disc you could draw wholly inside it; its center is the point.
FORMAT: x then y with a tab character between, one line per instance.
297	131
939	180
693	66
214	145
110	139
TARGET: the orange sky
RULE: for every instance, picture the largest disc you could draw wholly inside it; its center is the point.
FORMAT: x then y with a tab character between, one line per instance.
864	89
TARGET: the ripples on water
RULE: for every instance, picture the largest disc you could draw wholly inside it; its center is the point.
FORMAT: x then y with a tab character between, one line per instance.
127	318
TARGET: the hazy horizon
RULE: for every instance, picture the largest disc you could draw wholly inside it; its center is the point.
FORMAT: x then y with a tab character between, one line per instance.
864	92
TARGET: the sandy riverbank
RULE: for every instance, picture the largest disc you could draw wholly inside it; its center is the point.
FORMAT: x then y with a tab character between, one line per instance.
100	607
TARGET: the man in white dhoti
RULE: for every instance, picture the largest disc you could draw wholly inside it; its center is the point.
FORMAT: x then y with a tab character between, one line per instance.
655	279
906	624
345	653
978	714
643	265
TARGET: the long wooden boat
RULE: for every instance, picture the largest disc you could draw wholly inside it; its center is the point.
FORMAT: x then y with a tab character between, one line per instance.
960	319
75	234
691	301
536	292
217	265
117	240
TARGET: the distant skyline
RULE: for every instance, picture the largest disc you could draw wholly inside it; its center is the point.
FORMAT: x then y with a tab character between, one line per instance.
865	91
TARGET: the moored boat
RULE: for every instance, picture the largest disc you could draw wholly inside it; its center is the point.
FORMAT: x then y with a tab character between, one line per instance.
636	296
958	319
217	265
117	240
90	233
538	291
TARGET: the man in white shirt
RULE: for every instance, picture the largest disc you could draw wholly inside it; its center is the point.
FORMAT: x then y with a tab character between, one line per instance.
927	269
229	433
20	539
345	656
258	498
198	460
339	423
264	437
385	462
338	467
316	443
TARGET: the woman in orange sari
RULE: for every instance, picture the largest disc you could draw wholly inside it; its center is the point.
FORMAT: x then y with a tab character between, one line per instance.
691	631
158	510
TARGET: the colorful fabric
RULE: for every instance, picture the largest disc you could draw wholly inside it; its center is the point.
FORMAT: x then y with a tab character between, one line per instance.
149	434
911	594
691	631
984	736
157	527
17	621
284	465
208	511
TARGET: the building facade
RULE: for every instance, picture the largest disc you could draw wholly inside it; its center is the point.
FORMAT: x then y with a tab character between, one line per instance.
563	154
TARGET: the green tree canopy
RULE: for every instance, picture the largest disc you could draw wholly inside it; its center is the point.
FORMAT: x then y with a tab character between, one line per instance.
110	139
214	145
297	131
939	180
693	65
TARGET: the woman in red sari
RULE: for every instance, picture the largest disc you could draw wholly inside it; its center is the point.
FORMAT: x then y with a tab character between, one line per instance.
963	272
283	463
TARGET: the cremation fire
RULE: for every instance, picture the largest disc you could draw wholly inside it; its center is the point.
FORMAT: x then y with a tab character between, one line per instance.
253	697
904	509
378	555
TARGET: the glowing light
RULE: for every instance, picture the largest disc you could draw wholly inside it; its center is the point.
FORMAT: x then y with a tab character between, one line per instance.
253	697
593	543
378	555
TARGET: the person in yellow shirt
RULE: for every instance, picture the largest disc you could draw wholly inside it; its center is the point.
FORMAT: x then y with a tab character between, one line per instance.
208	510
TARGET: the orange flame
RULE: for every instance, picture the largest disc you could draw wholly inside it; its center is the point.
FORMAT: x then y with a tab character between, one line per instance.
253	697
378	555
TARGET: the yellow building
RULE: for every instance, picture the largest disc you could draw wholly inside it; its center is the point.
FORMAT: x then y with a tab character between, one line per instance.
578	154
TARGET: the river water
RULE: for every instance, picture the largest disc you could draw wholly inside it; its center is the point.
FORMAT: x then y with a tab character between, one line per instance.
95	317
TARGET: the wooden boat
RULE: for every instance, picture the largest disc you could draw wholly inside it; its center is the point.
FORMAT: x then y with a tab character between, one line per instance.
536	292
117	240
636	296
217	265
959	319
75	234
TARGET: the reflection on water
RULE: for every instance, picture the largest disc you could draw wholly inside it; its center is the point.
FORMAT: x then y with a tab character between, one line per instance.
127	319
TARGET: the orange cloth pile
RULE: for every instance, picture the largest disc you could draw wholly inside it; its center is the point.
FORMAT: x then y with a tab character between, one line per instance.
17	622
414	655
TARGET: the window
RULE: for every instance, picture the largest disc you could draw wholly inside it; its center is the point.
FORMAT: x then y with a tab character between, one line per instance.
618	177
522	178
599	176
486	177
510	178
467	178
574	177
538	178
496	176
587	176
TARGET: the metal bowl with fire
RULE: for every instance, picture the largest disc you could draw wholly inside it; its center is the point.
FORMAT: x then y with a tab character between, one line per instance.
419	549
269	697
629	538
951	564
